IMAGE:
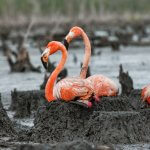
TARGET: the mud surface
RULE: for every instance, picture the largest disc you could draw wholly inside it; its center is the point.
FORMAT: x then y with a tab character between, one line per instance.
6	126
114	120
75	145
23	102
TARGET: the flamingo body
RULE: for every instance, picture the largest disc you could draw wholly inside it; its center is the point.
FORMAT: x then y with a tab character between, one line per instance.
103	86
70	88
146	94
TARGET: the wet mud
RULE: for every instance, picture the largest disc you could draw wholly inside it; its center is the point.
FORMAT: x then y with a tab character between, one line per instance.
75	145
6	126
24	102
124	122
62	125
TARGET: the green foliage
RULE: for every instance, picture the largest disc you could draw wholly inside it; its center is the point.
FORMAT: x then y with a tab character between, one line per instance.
73	7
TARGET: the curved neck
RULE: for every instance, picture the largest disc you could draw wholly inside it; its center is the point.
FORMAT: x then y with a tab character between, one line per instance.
52	79
87	55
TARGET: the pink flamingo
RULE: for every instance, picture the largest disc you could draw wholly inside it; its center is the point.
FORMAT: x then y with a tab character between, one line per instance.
67	89
145	94
102	86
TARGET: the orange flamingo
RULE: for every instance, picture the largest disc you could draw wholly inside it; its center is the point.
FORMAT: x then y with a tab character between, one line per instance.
145	94
102	86
67	89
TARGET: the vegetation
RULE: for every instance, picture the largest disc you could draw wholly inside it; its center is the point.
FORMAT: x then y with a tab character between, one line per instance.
72	8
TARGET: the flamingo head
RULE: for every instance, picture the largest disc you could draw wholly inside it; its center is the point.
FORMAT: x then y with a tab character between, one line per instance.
73	33
51	48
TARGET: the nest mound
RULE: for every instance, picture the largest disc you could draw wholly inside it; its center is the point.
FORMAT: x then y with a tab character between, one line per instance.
114	120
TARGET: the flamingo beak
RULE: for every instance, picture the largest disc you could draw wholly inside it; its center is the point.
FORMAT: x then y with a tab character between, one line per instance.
44	58
45	64
68	39
66	44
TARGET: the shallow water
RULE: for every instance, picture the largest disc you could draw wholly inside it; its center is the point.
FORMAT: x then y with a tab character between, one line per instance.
135	60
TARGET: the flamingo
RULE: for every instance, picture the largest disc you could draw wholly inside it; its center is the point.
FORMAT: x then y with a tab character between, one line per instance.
69	88
102	85
145	94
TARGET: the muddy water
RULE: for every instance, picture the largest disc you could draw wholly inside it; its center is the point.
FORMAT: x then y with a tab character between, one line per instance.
134	59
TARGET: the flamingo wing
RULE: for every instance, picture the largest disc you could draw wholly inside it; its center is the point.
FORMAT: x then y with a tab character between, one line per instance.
70	88
103	86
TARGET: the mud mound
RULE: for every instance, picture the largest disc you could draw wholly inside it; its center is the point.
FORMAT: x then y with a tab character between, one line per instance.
145	113
6	126
119	103
117	127
23	102
122	103
111	121
52	120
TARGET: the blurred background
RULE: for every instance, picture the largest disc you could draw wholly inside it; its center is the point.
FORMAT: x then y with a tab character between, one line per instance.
16	10
119	31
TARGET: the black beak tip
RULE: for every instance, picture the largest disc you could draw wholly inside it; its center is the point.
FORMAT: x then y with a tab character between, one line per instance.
44	64
66	44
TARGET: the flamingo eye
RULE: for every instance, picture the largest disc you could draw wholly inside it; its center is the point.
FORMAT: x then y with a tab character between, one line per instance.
45	59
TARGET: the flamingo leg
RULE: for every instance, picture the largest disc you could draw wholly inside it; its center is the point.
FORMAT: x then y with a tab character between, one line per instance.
84	103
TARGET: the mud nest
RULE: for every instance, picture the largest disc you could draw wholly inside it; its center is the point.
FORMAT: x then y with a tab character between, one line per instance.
115	120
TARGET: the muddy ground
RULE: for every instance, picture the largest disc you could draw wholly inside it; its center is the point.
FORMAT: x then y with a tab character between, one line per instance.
28	121
121	122
113	121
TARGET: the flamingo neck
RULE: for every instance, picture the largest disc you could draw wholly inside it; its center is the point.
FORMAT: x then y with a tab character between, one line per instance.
52	79
87	55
